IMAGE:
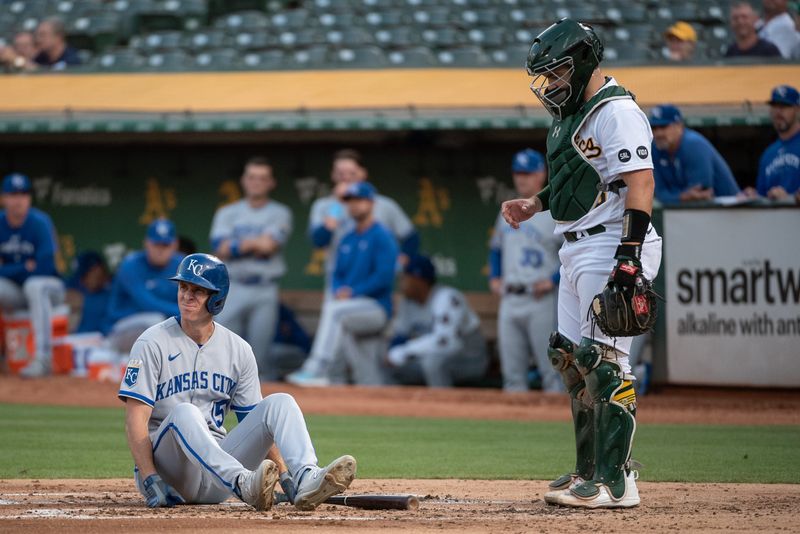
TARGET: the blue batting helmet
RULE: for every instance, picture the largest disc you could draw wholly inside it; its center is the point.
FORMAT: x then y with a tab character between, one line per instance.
206	271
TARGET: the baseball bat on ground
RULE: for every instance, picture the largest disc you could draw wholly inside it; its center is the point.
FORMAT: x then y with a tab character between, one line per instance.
368	502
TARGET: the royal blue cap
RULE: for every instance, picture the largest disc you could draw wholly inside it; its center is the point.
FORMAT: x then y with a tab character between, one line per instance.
360	190
162	232
16	183
421	267
527	160
664	115
785	95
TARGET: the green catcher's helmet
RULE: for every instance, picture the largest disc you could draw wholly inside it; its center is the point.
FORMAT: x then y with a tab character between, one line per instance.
561	60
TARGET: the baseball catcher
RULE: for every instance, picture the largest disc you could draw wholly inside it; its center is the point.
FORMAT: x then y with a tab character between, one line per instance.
600	194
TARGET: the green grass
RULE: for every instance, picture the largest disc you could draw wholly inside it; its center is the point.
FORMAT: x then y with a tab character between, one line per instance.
62	442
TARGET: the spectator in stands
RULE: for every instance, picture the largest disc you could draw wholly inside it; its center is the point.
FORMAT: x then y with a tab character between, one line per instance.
746	40
20	55
28	275
686	165
142	294
88	292
777	27
353	319
681	41
437	336
329	220
249	235
54	52
779	168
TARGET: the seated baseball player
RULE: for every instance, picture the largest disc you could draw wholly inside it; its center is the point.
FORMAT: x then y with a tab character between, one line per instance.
28	276
141	294
352	321
183	376
441	341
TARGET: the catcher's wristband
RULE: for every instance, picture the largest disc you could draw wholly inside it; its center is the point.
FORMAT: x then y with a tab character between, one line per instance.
634	226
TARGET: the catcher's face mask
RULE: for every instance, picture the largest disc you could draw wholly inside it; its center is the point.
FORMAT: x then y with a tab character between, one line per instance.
552	85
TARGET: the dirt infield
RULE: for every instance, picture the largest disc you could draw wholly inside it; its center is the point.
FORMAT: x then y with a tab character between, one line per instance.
446	505
90	506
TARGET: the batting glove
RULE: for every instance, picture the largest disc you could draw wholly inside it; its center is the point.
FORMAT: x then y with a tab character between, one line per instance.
158	493
287	483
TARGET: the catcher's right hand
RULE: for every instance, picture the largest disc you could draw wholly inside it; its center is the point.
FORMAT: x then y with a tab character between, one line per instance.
158	493
517	211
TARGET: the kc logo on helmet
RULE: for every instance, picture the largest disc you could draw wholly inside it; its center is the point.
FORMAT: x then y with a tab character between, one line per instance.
195	267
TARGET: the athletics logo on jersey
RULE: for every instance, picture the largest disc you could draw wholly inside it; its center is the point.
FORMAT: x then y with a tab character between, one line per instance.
132	372
642	152
624	155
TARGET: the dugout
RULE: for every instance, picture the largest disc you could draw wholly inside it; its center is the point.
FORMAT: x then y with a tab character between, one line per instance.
110	152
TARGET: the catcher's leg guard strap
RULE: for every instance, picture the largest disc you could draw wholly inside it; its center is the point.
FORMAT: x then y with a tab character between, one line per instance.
560	352
614	424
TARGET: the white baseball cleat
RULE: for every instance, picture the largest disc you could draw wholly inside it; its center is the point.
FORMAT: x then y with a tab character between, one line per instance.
36	368
560	485
257	487
604	499
307	379
318	484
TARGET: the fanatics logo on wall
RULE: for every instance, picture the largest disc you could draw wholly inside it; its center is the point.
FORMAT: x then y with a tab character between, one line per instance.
642	152
624	155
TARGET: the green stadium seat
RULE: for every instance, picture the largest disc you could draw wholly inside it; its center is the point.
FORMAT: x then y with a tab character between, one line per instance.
360	57
416	4
216	60
121	60
205	39
300	39
153	15
442	37
433	17
378	4
257	40
402	36
93	31
466	56
222	7
511	56
243	21
349	37
157	42
291	19
628	54
479	17
488	37
528	16
525	36
266	60
391	17
338	20
172	61
412	57
313	57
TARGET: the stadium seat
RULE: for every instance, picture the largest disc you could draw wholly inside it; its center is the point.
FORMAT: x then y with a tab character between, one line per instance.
433	17
361	57
267	60
291	19
157	41
338	20
466	56
378	4
313	57
222	7
529	16
93	31
121	60
419	56
255	40
524	36
205	39
488	37
242	21
478	17
300	39
632	54
442	37
154	15
218	59
391	17
172	61
397	37
348	37
511	56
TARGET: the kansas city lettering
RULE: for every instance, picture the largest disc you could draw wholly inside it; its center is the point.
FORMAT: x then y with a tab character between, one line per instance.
195	380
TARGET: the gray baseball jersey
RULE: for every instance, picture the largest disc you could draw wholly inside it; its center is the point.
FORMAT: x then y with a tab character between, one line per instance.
241	221
386	211
439	325
529	253
167	368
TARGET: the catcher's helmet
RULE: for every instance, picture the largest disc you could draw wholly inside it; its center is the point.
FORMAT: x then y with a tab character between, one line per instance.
568	44
206	271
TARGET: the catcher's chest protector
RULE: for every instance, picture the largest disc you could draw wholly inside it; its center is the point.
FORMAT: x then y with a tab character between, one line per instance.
573	180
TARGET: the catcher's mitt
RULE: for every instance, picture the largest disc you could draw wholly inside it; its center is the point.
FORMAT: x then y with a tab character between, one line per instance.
627	305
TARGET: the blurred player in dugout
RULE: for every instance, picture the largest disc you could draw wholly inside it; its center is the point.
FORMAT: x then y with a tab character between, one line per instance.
249	235
28	276
437	336
524	272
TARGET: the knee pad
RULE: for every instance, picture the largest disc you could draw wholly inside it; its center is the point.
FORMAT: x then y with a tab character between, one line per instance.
560	351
